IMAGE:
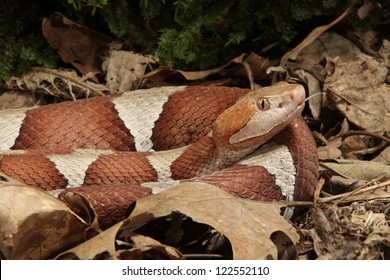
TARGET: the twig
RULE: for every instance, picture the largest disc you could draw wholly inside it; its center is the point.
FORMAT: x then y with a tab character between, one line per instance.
372	134
318	189
354	192
314	34
324	200
249	73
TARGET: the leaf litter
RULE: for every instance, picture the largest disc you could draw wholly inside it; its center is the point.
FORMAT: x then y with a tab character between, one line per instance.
348	218
236	219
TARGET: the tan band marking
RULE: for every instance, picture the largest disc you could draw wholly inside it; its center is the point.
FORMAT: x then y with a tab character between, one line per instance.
74	166
13	152
140	110
10	122
162	162
278	161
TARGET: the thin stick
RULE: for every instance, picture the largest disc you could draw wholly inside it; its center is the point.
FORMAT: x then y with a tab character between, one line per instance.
323	200
355	192
372	134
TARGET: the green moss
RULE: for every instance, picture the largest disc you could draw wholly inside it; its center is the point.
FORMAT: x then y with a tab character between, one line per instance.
185	34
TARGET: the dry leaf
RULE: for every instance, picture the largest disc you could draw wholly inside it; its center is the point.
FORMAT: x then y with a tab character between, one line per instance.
311	37
380	193
252	67
255	69
330	150
368	40
81	46
384	52
350	232
90	249
356	146
124	68
361	191
366	9
315	103
358	169
176	76
14	99
137	247
358	91
384	156
146	248
353	143
61	83
338	184
108	245
109	213
248	225
35	225
329	44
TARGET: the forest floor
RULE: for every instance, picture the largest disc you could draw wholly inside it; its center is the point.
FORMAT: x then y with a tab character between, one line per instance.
349	215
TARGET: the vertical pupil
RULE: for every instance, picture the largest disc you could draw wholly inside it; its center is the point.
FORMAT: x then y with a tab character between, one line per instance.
262	104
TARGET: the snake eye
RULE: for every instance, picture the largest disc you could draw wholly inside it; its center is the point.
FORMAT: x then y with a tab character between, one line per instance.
262	104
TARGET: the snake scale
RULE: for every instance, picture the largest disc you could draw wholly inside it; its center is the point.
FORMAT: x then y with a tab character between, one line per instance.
119	148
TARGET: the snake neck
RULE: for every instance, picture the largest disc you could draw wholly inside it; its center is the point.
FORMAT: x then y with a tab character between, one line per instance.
204	157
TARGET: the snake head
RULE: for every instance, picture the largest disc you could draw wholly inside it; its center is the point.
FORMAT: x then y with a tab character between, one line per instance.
258	116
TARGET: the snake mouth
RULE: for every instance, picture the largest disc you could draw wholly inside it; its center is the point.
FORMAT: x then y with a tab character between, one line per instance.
258	116
264	121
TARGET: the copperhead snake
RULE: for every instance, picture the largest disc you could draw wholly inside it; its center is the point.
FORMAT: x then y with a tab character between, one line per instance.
254	145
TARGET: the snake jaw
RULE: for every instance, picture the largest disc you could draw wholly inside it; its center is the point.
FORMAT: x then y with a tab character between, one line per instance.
258	116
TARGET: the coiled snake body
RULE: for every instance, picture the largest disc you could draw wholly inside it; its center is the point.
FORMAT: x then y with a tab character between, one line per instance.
259	148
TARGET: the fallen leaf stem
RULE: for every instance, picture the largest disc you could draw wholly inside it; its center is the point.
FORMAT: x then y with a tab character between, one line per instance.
354	192
372	134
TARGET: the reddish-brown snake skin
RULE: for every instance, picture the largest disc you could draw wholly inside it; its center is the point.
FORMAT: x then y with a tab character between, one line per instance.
111	180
